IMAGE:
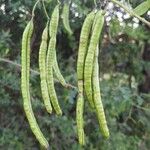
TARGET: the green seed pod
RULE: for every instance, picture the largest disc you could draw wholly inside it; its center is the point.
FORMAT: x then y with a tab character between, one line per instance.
25	74
54	21
79	114
83	44
88	69
57	72
53	31
65	18
42	68
97	98
50	79
84	38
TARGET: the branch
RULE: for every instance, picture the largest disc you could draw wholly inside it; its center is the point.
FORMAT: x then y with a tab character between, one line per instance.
143	108
131	12
45	11
34	7
17	65
68	86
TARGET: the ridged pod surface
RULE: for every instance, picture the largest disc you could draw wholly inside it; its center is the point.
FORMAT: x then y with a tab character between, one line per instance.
89	62
50	78
57	72
51	54
79	114
25	74
54	21
65	17
97	98
53	32
42	68
83	46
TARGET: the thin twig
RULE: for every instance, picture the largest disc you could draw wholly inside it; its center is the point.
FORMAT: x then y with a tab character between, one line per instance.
131	12
45	11
18	65
143	108
130	116
95	4
68	86
34	7
58	1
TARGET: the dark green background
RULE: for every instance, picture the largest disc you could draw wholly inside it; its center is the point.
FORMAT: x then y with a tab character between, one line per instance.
124	72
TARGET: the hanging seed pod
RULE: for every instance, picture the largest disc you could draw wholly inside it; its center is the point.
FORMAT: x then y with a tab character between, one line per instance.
79	114
50	79
88	69
97	97
83	45
54	21
42	68
65	18
53	32
57	72
51	54
25	74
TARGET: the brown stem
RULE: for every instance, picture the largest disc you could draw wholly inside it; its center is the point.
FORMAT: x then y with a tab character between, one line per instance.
68	86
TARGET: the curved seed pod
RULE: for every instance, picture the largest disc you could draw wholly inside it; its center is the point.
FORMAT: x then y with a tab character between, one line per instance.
84	38
88	69
83	46
79	114
97	98
54	21
57	72
65	17
50	80
42	68
25	74
53	31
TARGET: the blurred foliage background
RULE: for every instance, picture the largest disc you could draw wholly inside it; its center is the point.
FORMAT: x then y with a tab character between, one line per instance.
124	74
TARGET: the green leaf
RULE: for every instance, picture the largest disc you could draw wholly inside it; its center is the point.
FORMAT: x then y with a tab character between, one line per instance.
142	8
